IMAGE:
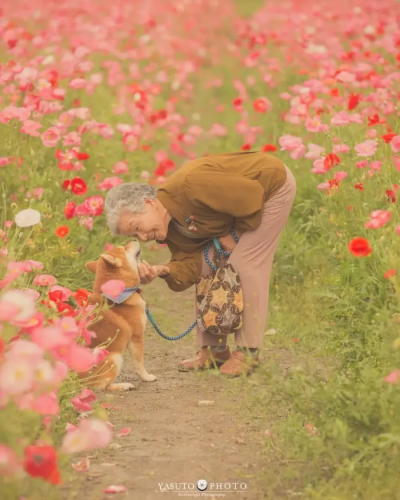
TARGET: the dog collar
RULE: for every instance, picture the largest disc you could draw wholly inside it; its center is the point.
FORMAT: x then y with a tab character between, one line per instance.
124	295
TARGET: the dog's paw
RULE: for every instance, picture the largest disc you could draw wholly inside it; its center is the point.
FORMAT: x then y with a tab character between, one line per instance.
149	378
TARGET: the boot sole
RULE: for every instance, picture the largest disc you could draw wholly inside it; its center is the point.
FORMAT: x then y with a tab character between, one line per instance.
210	367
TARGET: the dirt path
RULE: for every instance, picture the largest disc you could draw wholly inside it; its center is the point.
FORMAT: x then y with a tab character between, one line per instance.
173	438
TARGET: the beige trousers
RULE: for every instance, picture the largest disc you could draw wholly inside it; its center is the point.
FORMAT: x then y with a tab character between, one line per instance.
252	258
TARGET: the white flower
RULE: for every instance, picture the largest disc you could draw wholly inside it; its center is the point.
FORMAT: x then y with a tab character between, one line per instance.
22	301
27	218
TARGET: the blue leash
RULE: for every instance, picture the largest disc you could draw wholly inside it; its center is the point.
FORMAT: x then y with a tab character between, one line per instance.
214	268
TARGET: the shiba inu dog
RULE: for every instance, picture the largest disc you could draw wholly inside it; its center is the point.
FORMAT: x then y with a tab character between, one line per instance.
121	326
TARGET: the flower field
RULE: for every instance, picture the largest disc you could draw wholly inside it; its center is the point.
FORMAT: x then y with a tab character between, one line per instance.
94	94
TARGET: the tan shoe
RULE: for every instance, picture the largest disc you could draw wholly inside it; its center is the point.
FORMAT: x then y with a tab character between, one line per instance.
239	364
204	359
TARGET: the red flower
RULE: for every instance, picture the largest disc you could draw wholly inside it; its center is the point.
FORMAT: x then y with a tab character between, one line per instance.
81	156
246	147
66	184
55	296
65	309
388	137
359	247
163	167
391	197
69	210
78	186
62	231
391	273
359	186
375	120
261	105
330	161
81	296
41	461
269	147
334	92
354	99
237	103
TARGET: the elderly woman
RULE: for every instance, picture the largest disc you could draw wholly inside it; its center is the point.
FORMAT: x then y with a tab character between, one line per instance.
250	192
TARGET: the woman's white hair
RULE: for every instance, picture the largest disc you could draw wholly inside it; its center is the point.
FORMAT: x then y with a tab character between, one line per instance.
129	196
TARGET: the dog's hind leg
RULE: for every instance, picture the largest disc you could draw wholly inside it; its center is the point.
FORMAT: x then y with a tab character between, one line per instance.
103	375
136	350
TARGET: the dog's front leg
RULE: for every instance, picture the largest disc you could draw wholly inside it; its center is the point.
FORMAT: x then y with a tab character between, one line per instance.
136	350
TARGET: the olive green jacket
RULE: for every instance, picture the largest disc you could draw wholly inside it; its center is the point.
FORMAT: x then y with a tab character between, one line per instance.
210	196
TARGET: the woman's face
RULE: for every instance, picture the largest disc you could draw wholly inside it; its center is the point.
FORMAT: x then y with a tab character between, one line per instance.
150	225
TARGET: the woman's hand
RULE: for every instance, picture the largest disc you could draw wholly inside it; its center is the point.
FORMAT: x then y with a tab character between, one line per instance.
149	273
227	243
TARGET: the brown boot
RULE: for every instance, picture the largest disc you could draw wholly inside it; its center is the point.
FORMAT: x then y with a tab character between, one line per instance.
204	359
239	364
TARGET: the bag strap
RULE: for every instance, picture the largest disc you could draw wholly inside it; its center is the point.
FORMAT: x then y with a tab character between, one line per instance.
219	249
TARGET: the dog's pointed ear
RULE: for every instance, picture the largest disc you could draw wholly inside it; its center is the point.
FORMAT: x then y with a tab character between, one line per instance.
92	266
113	261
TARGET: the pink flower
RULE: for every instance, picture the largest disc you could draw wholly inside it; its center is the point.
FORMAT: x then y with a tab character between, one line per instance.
218	130
378	218
340	119
340	175
10	465
341	148
121	167
396	163
94	205
50	337
362	164
290	142
31	128
109	182
82	402
345	76
393	377
319	167
46	404
375	165
324	186
88	435
367	148
398	230
72	139
4	161
79	359
16	375
113	287
17	299
315	125
297	153
314	152
87	222
395	144
115	488
77	83
125	431
44	280
50	137
37	192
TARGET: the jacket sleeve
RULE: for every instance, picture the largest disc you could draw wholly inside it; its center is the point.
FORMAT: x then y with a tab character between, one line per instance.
238	196
184	267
